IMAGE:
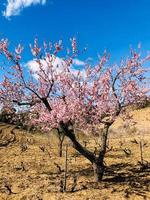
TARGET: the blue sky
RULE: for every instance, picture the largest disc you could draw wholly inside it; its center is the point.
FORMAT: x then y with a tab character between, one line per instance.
99	24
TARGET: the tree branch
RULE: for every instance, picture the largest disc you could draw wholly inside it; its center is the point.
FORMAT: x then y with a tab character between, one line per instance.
32	103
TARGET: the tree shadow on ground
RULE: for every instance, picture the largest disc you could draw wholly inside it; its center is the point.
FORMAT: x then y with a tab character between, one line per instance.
133	179
88	172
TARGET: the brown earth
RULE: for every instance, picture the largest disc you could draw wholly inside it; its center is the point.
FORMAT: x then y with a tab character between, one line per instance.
29	165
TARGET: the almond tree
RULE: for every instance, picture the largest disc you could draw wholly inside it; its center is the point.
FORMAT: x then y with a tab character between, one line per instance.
61	97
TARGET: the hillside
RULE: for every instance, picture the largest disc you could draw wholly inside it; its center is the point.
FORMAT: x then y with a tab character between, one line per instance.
29	165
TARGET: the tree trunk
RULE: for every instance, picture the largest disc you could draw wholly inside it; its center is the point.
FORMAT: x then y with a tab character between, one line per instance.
60	145
97	162
98	165
69	132
61	137
98	169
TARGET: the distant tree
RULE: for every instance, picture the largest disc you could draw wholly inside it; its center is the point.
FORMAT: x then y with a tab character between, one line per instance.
7	114
143	104
61	97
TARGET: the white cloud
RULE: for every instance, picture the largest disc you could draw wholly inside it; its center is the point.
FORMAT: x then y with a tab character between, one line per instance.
57	63
34	66
14	7
78	62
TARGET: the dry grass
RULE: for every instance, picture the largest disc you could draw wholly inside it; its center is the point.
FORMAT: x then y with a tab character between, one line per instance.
28	172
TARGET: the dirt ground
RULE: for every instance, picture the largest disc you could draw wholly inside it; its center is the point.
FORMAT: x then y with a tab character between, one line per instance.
29	166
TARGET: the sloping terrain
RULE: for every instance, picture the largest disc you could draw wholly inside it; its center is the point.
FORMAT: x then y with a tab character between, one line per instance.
30	168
